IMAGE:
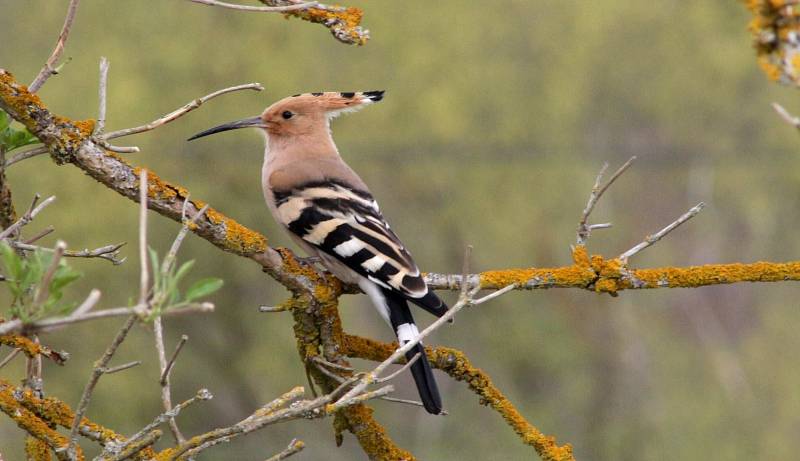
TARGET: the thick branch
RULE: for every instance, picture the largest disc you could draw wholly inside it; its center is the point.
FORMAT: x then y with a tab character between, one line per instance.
55	412
455	363
70	141
609	275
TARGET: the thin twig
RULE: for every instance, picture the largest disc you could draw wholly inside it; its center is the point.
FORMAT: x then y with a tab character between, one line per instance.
202	394
260	9
132	449
122	367
33	377
295	446
181	111
651	239
786	116
273	309
158	330
318	359
49	69
171	362
408	402
118	149
27	154
399	371
15	326
108	252
43	288
28	216
597	191
43	233
144	272
169	259
100	126
9	358
372	376
98	371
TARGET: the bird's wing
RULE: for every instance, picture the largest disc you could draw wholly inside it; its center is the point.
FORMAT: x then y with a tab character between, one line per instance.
347	224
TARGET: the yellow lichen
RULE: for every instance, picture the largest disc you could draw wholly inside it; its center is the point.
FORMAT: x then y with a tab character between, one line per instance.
455	363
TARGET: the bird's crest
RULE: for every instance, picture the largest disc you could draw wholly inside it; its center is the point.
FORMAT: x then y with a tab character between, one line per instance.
333	103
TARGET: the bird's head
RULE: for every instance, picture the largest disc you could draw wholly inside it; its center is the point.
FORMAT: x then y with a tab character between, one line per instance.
302	113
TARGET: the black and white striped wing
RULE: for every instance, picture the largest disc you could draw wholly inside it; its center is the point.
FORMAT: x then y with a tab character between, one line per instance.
348	225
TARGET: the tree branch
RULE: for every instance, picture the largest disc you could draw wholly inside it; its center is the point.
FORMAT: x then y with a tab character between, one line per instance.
49	70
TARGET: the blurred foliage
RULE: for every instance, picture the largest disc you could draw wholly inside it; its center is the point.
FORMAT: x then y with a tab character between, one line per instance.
11	138
496	119
166	293
25	279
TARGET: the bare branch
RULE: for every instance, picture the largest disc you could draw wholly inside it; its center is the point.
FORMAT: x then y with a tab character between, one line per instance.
171	362
43	233
201	395
9	358
166	398
107	252
98	371
27	154
48	70
258	9
295	446
43	289
597	191
401	370
786	116
100	126
181	111
54	323
28	216
122	367
144	272
374	375
651	239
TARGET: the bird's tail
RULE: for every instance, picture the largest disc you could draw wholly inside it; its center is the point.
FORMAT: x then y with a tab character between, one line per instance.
406	330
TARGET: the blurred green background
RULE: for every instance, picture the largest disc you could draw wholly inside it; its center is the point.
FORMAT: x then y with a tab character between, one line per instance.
497	117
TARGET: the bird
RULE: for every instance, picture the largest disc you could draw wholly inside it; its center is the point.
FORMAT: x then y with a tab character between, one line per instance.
330	213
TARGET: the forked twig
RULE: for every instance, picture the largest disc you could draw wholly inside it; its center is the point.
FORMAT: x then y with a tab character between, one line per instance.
584	230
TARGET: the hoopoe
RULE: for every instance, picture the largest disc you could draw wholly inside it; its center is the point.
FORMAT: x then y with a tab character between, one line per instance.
328	210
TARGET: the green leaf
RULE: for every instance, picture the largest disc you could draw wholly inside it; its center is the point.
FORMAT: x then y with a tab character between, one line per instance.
203	288
5	121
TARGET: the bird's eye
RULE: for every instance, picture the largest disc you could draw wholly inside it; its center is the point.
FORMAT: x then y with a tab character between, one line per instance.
287	114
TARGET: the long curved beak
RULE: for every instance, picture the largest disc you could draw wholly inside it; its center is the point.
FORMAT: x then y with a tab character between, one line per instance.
245	123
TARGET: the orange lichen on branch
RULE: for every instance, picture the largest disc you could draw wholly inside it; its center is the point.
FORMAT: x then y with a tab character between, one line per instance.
36	450
54	412
32	349
343	22
34	426
238	238
63	136
455	363
776	37
602	275
372	436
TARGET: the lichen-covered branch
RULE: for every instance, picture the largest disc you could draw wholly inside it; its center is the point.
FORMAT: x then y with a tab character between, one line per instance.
33	349
601	275
455	363
343	22
776	37
53	412
34	426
